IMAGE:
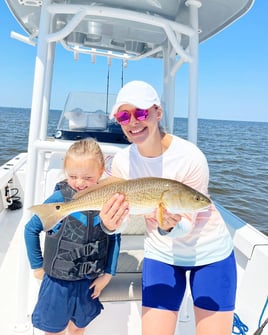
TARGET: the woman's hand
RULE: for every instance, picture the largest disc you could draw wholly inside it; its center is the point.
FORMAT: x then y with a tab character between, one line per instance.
169	220
114	212
99	284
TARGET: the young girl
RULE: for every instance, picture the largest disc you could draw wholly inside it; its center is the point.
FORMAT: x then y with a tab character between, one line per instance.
79	258
196	243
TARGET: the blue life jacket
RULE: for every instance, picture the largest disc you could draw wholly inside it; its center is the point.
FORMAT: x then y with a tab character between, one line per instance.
78	249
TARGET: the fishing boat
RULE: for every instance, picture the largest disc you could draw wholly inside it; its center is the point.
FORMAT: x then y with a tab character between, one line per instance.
171	32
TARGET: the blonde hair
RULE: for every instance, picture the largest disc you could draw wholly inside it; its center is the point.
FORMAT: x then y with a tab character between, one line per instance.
87	148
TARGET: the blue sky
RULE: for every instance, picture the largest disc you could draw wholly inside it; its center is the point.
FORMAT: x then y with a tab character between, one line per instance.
233	74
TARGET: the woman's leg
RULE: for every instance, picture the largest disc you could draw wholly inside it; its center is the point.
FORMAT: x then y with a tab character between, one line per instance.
163	287
158	321
211	323
214	289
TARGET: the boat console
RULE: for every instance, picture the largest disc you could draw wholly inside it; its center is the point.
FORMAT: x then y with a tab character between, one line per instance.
86	114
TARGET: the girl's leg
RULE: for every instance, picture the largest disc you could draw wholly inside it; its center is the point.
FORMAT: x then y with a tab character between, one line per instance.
72	329
60	333
211	323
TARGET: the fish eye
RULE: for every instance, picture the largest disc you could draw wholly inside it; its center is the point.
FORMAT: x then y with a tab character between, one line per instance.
58	207
197	197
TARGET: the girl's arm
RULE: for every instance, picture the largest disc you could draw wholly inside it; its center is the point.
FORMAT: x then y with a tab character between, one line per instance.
32	233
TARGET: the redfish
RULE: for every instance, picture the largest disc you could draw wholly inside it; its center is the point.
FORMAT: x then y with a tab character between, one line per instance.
143	195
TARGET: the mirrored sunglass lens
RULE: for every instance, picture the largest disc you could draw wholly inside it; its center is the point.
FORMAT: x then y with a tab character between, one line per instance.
123	117
141	114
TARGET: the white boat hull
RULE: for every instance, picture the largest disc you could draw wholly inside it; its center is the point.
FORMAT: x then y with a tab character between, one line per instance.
170	32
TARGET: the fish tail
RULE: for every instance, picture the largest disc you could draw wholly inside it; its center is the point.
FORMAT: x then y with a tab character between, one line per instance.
49	214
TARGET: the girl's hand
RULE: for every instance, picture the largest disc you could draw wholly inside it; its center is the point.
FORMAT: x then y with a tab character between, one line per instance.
114	212
99	284
39	273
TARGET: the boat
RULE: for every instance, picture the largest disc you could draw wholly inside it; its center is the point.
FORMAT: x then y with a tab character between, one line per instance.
170	31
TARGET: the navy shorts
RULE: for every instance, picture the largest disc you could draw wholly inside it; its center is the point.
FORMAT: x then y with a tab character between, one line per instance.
213	286
60	301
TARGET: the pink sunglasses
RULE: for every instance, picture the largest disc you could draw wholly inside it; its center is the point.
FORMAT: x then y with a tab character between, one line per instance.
123	117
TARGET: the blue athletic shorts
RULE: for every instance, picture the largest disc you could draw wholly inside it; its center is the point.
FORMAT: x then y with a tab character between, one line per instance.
213	286
60	301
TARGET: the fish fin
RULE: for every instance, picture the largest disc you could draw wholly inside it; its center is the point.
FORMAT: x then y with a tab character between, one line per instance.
49	214
110	180
102	183
160	214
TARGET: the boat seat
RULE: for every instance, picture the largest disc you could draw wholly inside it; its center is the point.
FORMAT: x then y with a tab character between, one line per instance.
52	177
126	284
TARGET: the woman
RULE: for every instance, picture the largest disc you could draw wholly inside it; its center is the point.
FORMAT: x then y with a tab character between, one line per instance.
197	243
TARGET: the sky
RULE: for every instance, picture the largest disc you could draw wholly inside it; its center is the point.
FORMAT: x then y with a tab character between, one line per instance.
233	71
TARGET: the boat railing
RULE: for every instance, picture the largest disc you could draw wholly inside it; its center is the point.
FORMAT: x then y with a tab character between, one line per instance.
240	232
11	179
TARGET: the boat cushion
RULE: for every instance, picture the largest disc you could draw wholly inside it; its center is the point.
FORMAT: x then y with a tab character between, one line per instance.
126	284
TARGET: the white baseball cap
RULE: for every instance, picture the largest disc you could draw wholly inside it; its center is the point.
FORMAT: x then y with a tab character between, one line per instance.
136	93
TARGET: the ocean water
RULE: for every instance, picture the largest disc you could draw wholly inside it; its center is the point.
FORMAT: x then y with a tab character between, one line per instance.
236	152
